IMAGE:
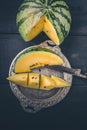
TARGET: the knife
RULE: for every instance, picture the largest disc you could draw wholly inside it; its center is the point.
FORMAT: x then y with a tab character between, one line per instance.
72	71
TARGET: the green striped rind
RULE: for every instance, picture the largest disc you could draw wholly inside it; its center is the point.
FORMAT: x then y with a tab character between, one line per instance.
30	12
27	17
60	18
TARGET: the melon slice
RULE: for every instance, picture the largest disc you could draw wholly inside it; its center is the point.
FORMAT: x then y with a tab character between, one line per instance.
19	79
33	80
35	59
30	80
60	82
49	30
46	83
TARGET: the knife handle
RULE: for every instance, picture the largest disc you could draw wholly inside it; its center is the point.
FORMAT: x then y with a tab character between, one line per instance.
69	70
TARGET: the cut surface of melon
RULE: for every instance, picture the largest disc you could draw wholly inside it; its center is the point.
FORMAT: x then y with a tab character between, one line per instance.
35	59
19	79
33	80
45	26
60	82
36	29
46	83
49	30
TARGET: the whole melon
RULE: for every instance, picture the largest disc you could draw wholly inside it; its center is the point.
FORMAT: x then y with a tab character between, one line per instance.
50	16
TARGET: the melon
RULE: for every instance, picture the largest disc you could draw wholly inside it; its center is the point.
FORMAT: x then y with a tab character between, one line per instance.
60	82
51	17
37	81
19	79
46	83
33	80
30	80
35	58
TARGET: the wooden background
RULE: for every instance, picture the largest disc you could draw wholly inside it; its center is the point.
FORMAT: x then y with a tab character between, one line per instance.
71	113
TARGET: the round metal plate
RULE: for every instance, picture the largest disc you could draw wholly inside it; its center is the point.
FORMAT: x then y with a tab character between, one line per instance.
34	100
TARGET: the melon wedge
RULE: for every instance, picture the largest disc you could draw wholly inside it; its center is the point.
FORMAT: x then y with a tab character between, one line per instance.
19	79
60	82
33	80
35	59
29	80
49	30
46	83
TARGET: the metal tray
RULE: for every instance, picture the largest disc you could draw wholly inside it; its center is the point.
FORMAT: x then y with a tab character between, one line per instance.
34	100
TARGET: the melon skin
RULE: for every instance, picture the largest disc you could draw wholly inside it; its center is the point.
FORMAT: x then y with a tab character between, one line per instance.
35	58
56	12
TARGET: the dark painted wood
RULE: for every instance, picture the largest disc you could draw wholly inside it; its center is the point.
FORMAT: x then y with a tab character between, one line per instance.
69	114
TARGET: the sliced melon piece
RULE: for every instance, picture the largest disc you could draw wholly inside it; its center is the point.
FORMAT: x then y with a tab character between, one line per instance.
19	79
46	83
35	59
33	80
30	80
50	31
60	82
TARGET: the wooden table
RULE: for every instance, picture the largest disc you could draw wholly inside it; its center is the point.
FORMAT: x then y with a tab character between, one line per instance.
71	113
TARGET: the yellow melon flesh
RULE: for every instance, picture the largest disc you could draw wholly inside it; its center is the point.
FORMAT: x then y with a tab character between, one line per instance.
50	31
36	81
60	82
45	26
30	80
36	30
46	83
36	59
33	80
19	79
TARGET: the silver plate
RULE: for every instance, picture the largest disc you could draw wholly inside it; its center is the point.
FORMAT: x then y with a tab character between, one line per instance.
34	100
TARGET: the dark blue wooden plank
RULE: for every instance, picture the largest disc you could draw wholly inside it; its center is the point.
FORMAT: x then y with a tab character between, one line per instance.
75	48
71	113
